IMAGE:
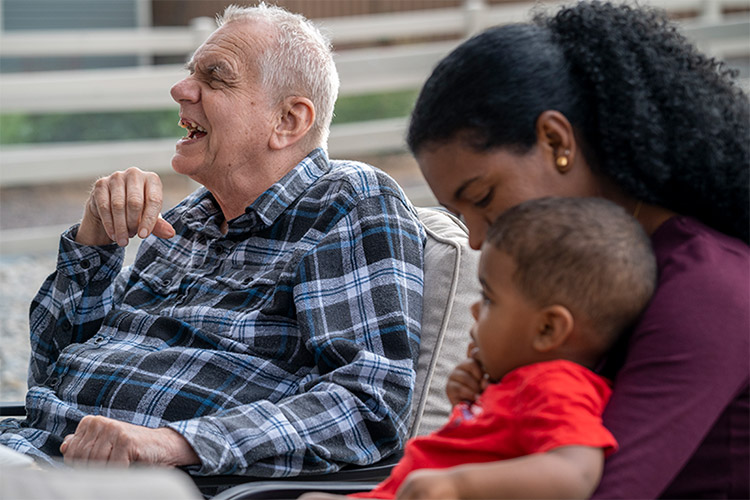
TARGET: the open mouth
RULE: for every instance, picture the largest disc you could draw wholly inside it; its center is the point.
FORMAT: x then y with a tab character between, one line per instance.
194	131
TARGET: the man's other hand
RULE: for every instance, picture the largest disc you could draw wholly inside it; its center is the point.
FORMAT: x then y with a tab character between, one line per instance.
122	205
100	440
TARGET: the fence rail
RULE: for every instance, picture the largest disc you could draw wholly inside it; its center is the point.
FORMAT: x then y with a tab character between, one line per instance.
362	70
343	30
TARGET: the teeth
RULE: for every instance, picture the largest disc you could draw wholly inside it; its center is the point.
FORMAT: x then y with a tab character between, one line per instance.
191	125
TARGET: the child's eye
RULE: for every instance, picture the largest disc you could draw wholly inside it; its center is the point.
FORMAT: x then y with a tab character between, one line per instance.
485	299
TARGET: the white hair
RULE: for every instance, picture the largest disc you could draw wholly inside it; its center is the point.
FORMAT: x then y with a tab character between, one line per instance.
299	63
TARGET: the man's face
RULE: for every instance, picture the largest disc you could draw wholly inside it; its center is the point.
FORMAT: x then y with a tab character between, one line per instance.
226	112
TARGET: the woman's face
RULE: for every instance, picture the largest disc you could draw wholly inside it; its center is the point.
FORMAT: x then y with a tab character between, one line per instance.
479	186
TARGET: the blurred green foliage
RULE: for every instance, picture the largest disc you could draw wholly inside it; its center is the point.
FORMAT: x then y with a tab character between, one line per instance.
111	126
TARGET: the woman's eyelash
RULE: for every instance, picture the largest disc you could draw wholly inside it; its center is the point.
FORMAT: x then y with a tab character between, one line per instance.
486	200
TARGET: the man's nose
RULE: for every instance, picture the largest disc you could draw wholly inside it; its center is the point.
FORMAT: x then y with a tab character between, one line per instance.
186	90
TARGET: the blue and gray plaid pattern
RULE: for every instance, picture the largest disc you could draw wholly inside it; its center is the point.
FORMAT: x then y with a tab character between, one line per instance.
286	345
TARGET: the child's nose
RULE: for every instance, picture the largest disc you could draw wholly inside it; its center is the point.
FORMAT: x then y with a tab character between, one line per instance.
475	309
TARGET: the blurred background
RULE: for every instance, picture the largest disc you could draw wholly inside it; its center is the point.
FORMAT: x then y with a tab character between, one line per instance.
84	91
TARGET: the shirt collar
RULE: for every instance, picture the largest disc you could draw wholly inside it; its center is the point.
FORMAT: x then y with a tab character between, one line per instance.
276	199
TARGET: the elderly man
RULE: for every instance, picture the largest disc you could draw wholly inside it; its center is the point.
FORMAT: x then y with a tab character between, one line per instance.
270	322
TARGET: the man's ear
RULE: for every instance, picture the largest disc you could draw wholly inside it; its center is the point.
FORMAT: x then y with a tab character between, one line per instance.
555	136
555	327
297	115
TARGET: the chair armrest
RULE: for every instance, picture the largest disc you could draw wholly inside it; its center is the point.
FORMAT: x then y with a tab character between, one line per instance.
12	409
360	478
289	490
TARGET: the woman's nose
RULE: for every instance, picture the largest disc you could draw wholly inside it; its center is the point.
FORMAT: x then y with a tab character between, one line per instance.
186	90
477	226
477	233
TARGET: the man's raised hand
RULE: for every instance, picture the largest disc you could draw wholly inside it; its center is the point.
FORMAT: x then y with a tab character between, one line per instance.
122	205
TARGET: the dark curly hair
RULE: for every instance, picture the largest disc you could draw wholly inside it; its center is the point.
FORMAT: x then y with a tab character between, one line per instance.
663	121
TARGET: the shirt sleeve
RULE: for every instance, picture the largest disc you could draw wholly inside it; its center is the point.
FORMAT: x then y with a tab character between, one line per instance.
358	303
685	363
72	301
562	407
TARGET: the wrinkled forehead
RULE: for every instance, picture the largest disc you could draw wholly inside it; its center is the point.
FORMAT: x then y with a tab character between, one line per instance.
241	42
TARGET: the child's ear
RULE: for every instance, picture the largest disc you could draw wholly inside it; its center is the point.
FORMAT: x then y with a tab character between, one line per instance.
555	326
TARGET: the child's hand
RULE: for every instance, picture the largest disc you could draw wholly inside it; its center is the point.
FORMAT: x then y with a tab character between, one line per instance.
467	380
429	484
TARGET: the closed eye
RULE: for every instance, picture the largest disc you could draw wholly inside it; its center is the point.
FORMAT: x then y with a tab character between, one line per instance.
486	200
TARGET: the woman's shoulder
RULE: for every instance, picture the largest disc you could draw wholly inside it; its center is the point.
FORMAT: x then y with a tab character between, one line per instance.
704	283
687	249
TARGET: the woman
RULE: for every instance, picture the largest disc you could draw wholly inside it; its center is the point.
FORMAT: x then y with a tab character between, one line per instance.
609	100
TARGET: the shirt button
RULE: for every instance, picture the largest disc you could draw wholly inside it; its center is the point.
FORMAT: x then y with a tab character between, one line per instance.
53	381
99	340
66	326
85	264
166	282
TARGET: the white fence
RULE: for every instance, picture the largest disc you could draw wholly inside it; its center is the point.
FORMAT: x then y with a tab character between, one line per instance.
367	70
361	70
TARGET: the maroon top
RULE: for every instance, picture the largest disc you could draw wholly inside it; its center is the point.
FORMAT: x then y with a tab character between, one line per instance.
680	404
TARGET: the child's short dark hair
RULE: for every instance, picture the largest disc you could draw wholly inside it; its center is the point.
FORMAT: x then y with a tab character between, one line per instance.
586	254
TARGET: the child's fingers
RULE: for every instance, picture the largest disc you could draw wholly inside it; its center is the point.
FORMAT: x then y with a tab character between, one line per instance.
472	367
462	386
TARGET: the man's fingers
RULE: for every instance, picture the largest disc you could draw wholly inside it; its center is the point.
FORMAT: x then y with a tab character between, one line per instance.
120	454
163	229
93	441
121	206
101	203
65	444
152	199
118	205
134	199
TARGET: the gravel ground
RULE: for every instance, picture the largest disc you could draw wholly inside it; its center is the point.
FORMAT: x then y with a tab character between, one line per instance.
22	275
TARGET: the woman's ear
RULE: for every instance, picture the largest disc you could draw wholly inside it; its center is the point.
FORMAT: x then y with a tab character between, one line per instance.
556	138
555	327
296	120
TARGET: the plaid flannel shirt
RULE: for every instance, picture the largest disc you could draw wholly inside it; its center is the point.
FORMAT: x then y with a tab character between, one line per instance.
287	345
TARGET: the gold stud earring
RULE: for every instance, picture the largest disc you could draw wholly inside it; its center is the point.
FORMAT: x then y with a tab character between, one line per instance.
562	161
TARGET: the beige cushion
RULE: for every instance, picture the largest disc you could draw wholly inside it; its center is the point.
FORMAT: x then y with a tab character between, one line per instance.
450	287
